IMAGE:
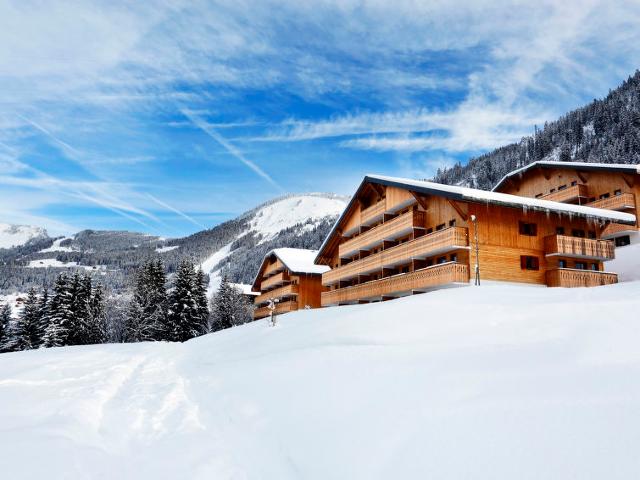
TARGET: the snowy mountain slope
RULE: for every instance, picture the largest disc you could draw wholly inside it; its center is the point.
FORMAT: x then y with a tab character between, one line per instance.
283	222
17	235
238	245
491	382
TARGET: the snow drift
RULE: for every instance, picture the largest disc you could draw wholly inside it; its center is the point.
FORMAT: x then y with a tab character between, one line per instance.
495	382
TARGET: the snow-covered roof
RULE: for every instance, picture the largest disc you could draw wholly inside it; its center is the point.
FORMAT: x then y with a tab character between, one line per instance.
296	260
483	196
582	166
244	289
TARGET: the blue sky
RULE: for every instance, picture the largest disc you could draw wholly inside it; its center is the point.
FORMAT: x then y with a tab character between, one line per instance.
171	116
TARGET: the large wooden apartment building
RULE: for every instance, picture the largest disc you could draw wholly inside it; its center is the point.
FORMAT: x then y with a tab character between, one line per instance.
290	278
400	236
599	185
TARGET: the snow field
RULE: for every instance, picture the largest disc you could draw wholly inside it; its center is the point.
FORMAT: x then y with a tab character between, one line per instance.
495	382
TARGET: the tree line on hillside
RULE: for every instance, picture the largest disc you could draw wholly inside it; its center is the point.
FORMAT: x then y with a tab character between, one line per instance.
605	131
77	311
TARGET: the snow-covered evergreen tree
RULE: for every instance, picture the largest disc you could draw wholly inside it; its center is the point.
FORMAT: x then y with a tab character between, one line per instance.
146	319
23	331
184	317
96	320
201	297
61	317
5	321
229	307
43	316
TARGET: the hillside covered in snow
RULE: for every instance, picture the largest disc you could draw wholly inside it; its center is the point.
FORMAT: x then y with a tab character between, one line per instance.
18	235
490	382
237	245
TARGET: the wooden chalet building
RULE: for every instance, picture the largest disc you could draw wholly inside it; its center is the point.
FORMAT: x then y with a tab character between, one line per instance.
290	277
400	236
599	185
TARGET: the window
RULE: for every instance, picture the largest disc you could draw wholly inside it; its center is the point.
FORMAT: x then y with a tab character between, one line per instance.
452	223
562	187
581	266
538	195
404	270
562	263
623	241
429	262
453	257
429	230
530	229
574	183
442	260
529	263
577	233
559	230
592	199
594	267
617	192
592	234
440	227
552	190
604	195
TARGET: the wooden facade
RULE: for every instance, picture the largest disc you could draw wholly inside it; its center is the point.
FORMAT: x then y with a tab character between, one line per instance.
289	278
611	187
400	237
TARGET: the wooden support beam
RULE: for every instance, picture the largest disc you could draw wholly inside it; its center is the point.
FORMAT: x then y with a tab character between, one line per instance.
630	181
458	208
581	176
379	189
422	201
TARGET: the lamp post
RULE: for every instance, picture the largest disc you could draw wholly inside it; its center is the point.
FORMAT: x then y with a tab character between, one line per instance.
474	220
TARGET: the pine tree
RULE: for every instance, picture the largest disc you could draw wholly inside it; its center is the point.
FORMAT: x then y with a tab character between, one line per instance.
223	306
60	313
43	315
201	298
96	325
146	319
184	316
5	321
23	331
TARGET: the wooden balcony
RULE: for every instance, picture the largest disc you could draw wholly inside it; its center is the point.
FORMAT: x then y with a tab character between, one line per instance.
442	241
390	230
281	308
614	230
569	194
284	291
373	213
561	245
420	280
569	278
275	267
625	201
274	281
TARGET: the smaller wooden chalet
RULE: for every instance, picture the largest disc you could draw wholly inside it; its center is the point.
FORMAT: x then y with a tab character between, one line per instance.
611	186
400	236
289	277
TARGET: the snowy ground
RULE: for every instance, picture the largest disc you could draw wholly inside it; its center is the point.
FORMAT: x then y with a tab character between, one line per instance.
491	382
15	235
56	247
53	262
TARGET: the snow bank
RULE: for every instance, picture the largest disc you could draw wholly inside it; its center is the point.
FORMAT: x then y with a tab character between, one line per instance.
167	249
492	382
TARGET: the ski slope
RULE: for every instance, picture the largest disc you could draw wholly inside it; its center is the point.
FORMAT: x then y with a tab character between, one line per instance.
491	382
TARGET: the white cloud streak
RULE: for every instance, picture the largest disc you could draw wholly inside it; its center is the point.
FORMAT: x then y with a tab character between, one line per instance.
175	210
202	125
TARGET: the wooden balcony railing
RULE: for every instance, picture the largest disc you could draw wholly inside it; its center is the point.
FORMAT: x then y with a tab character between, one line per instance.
281	308
624	201
422	247
286	290
561	245
569	277
372	213
569	194
437	275
390	230
274	281
273	268
616	229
